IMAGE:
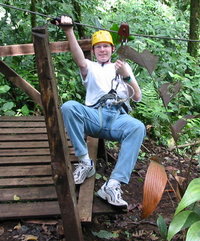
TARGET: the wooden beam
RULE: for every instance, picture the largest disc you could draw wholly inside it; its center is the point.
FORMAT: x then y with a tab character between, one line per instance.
20	82
28	49
86	193
61	167
29	209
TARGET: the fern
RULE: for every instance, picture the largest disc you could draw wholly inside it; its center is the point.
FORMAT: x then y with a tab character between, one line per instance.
152	112
151	106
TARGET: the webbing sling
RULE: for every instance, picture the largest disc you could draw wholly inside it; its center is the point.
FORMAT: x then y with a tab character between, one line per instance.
114	100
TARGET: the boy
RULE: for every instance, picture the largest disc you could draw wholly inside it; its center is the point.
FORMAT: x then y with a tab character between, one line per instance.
104	114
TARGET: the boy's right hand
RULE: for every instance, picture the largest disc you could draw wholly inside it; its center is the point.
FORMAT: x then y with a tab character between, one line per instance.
64	22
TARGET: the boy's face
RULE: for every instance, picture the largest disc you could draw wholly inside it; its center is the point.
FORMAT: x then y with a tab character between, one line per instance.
103	52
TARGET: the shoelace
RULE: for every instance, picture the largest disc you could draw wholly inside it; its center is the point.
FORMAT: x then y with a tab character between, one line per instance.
79	166
119	190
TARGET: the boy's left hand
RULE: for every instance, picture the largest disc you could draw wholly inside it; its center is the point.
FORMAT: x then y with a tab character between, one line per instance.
121	68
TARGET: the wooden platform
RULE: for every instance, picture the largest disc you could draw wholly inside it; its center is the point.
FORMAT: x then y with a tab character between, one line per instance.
26	185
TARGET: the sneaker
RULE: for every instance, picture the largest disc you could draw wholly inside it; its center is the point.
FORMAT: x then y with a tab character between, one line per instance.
112	195
83	171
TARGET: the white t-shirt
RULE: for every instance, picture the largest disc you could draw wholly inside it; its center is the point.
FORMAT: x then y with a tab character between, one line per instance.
98	81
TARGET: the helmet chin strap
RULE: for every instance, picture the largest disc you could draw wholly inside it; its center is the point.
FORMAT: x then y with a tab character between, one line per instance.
102	63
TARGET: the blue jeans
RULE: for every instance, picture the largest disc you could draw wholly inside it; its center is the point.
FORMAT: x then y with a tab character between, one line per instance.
110	123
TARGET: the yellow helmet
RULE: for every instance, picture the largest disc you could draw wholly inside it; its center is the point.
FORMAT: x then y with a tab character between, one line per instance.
102	36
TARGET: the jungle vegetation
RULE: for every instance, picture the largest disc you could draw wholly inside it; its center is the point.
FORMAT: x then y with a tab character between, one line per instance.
164	27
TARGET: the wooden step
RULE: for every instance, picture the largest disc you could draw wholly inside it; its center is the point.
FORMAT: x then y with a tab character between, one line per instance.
26	185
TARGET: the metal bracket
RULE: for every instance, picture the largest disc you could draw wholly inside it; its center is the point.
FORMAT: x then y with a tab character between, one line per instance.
123	32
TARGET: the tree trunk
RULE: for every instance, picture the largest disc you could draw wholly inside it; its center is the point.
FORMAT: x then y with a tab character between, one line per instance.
194	27
77	14
33	16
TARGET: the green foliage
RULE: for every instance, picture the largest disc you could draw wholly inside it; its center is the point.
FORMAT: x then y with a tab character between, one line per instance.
185	219
4	89
193	233
5	106
155	18
111	144
68	78
24	66
161	18
152	110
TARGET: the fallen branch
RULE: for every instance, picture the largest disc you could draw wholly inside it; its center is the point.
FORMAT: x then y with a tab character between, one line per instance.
185	145
143	222
147	148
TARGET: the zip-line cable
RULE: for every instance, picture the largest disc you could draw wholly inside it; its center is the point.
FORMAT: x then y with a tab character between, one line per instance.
91	26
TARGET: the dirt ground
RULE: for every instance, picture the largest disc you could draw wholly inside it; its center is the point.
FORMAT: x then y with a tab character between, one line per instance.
116	227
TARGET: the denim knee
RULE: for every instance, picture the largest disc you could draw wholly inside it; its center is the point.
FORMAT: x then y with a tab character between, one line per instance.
69	110
68	105
138	128
141	127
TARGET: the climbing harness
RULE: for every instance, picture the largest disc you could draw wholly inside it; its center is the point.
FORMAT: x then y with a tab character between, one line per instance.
112	98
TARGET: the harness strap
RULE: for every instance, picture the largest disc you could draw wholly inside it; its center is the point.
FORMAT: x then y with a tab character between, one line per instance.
112	94
110	99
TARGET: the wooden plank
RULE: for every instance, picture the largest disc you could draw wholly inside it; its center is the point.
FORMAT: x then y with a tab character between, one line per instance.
28	152
63	46
24	152
21	118
24	137
16	49
30	209
23	156
28	193
46	209
23	130
102	207
27	49
73	158
24	159
24	124
31	170
86	192
25	181
28	144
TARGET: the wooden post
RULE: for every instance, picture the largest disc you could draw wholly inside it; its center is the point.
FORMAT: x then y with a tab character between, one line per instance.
61	168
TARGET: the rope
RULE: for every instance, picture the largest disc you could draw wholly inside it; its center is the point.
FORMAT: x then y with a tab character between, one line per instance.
112	31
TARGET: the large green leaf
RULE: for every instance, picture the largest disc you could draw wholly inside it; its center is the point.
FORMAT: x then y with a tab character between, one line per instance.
192	194
181	221
115	36
193	233
4	89
8	106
